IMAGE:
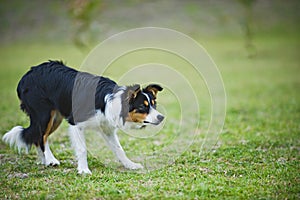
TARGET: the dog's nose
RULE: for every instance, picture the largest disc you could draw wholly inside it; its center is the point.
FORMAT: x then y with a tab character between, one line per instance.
160	118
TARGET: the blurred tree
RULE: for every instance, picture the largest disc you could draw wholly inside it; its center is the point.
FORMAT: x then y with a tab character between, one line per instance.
247	26
82	14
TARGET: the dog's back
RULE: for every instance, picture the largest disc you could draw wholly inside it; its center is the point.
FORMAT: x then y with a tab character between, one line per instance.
49	84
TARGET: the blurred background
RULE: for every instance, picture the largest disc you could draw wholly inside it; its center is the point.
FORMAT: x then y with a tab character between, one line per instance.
84	23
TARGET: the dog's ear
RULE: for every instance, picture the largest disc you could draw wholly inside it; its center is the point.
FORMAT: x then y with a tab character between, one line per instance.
132	91
153	88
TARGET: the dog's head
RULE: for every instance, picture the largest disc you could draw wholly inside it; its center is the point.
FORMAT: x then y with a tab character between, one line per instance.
139	106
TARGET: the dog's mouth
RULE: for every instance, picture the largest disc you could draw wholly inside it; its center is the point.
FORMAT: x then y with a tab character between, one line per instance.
152	123
145	123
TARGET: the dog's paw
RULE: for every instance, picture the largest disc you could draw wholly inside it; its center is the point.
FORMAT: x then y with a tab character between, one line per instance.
52	162
133	166
84	171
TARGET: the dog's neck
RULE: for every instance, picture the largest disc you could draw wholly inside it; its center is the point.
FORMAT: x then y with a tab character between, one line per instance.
113	109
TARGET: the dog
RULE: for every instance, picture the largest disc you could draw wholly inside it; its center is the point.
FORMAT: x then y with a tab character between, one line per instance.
52	91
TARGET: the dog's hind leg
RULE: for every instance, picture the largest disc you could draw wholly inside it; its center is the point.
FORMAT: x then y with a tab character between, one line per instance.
112	141
46	157
44	151
42	124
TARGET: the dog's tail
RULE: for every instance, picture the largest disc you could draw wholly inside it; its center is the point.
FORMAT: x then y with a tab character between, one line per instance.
15	139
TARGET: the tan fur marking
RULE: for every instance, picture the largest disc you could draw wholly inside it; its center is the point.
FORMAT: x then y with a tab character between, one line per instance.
54	122
133	116
153	90
146	103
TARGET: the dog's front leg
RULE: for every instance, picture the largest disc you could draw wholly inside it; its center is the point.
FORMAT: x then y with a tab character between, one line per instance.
79	146
114	144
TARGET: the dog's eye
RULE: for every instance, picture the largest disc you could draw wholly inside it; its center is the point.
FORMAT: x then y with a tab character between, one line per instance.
142	106
142	109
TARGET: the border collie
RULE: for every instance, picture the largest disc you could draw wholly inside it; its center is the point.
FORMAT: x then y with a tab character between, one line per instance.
51	91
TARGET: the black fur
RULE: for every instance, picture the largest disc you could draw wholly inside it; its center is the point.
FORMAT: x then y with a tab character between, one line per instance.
49	87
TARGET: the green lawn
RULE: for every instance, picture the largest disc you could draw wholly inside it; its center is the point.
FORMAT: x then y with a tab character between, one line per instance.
256	157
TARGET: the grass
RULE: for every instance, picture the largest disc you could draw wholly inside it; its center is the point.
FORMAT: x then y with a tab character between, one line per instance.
256	157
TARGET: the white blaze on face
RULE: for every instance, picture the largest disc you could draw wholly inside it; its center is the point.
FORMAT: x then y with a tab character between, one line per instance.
154	117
